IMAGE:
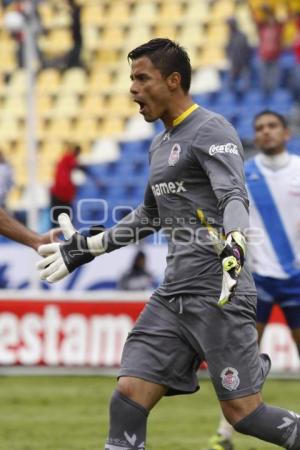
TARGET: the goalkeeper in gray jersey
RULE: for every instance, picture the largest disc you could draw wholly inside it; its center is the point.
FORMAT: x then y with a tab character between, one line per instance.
205	307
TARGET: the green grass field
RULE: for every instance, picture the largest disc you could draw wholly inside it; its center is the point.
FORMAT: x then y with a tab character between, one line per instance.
70	413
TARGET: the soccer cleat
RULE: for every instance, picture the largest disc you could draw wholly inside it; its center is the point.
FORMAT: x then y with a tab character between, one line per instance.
218	442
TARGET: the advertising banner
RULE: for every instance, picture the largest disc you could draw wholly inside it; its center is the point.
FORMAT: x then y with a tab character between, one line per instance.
90	330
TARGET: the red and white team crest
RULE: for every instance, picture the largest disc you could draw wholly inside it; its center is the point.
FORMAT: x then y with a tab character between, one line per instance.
174	155
230	378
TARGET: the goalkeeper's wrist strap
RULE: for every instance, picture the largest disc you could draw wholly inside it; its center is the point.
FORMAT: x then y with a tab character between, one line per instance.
95	244
75	252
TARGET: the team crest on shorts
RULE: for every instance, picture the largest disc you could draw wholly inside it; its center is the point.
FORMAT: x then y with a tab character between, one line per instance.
230	378
174	155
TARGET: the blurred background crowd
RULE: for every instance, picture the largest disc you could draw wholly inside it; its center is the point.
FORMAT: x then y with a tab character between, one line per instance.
89	140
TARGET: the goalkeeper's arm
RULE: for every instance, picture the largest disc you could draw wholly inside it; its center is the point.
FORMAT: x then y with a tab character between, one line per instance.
60	259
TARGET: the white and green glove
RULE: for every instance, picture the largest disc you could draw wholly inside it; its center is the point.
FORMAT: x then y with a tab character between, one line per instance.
232	258
231	251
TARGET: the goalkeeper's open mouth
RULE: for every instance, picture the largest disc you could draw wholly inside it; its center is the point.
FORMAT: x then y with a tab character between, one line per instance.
141	105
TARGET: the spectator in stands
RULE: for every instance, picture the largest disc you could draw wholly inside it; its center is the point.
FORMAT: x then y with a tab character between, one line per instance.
6	179
73	58
239	55
63	190
296	71
5	3
270	33
137	278
294	115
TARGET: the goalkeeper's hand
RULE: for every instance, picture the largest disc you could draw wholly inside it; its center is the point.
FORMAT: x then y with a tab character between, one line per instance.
232	258
60	259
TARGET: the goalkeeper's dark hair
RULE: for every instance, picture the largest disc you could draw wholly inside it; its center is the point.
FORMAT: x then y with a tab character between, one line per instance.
265	112
168	57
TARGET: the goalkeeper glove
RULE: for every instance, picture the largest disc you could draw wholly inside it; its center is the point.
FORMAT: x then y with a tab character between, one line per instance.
232	259
60	259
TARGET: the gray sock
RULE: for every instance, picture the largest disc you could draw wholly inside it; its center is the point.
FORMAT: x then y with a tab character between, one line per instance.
128	422
275	425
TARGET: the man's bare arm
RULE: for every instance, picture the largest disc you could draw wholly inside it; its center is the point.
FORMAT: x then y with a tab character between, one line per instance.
16	231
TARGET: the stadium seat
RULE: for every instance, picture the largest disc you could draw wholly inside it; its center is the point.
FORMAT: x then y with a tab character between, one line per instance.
191	35
212	56
21	175
108	56
282	96
221	11
228	99
141	32
245	129
8	51
14	107
144	12
137	128
202	100
54	15
217	35
48	81
60	128
118	12
93	106
45	172
10	130
100	80
93	14
254	97
112	126
52	150
47	14
73	82
57	42
66	106
86	130
165	30
205	80
196	11
112	37
17	84
121	84
103	150
44	105
120	105
170	11
133	149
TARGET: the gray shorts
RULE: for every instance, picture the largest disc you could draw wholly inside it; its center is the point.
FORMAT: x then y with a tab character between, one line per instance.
173	335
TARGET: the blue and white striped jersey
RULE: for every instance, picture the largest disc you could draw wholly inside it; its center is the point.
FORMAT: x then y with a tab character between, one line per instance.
274	237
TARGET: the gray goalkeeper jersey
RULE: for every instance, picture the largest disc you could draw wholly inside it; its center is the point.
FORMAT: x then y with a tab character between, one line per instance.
198	163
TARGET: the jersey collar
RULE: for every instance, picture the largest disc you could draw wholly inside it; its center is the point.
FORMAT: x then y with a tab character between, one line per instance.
185	114
274	162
